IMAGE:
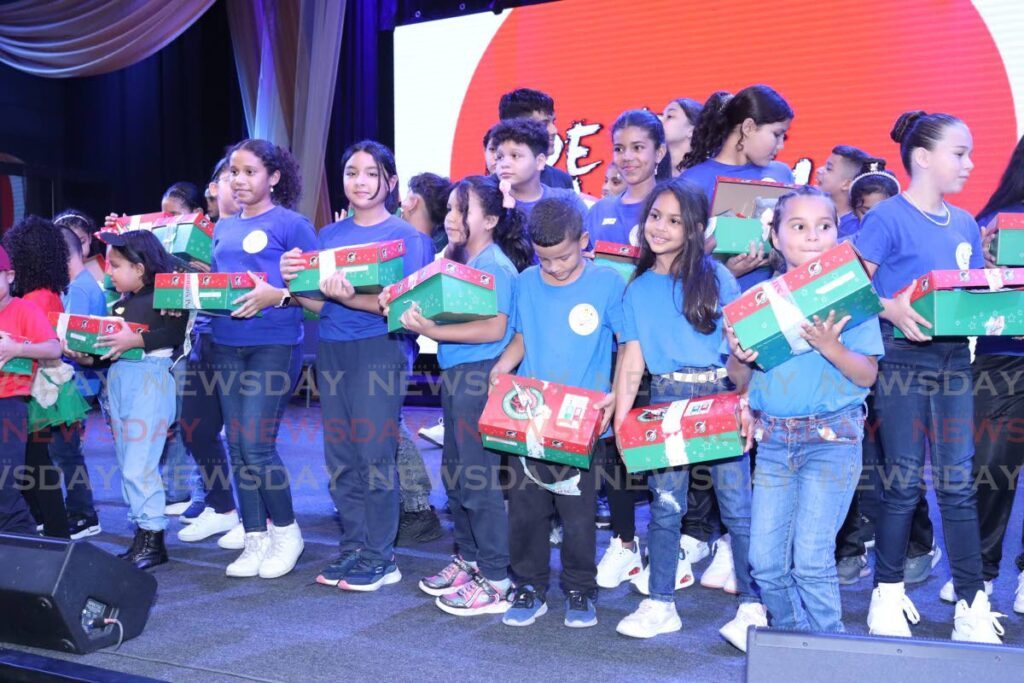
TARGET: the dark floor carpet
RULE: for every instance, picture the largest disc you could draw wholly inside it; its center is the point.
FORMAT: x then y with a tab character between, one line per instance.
206	627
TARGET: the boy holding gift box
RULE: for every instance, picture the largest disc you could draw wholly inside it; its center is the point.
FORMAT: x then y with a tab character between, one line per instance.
566	313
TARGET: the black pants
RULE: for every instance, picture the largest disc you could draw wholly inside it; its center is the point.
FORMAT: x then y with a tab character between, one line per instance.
44	494
530	510
998	449
201	423
701	520
15	517
620	486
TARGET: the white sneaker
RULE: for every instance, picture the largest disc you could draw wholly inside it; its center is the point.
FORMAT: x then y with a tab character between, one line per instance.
890	611
234	539
695	550
748	614
618	564
207	524
684	576
175	509
721	573
435	434
1018	597
557	534
248	563
651	618
285	547
948	593
977	623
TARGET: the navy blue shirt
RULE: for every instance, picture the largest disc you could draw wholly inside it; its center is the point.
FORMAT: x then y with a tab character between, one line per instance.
849	224
556	177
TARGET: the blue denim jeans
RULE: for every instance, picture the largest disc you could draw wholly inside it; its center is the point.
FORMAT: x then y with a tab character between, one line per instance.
255	383
731	480
924	395
807	470
141	397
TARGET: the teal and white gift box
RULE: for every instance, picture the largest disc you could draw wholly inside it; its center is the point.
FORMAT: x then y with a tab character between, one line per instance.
209	292
368	268
983	302
741	214
445	292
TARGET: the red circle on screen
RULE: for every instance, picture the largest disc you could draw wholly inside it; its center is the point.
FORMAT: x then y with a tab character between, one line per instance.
847	69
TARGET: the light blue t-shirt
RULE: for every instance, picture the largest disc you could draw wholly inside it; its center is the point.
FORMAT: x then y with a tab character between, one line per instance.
807	384
341	323
493	261
1002	346
906	245
256	244
85	297
706	174
568	330
612	220
652	310
849	224
549	192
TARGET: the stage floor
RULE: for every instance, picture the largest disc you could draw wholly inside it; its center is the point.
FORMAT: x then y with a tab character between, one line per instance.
206	627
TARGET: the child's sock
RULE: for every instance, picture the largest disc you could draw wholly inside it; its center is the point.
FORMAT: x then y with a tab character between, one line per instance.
473	565
503	585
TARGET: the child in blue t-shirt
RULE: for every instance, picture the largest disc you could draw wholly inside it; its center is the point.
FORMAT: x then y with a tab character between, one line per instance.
874	184
739	136
260	341
483	234
809	426
362	371
903	238
835	177
566	315
673	328
638	146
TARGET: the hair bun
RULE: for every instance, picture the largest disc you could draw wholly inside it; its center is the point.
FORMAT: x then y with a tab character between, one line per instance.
904	123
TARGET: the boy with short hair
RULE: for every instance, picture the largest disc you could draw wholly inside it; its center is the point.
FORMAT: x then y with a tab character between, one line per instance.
566	315
835	177
526	103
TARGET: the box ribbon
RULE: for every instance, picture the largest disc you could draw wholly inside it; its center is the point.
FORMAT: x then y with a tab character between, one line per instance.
328	266
62	325
191	292
787	314
995	278
535	447
672	428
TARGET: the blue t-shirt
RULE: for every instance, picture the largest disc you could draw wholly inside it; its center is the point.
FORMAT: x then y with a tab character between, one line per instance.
493	261
568	330
652	312
849	224
548	192
612	220
1002	346
906	245
85	297
807	384
341	323
556	177
256	244
706	174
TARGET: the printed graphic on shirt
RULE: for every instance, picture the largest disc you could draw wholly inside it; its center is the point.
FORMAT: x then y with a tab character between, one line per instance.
964	251
255	242
634	236
583	319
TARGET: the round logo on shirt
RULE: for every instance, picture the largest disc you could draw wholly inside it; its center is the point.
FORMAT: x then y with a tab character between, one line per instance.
255	242
964	251
583	319
634	236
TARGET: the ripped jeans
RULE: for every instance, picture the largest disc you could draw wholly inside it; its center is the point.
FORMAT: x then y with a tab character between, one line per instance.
731	480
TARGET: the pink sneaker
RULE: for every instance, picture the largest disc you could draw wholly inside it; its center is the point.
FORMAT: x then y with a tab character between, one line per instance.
479	596
453	577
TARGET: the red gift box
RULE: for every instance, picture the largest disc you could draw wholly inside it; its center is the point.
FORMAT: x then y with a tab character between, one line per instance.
614	249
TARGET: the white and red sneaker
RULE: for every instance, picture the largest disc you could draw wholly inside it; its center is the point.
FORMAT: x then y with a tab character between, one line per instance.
684	576
619	564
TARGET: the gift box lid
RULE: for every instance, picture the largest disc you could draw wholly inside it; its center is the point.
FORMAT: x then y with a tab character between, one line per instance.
1007	221
738	197
991	279
356	254
572	421
442	266
697	418
142	221
616	249
92	324
206	280
198	220
754	299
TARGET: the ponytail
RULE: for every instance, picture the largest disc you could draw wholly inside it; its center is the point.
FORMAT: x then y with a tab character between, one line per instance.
723	112
710	131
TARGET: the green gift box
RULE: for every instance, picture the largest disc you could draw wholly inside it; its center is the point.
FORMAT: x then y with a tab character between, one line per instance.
1008	246
446	292
741	213
368	267
983	302
17	365
189	237
681	433
621	257
208	292
82	332
768	317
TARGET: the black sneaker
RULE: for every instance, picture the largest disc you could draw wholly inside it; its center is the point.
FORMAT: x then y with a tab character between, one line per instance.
83	526
604	513
418	527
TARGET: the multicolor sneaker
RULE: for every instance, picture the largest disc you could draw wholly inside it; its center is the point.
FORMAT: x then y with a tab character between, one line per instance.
369	575
336	571
479	596
450	579
526	606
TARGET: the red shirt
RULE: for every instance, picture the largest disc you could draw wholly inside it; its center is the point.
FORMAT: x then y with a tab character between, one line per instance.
47	301
22	319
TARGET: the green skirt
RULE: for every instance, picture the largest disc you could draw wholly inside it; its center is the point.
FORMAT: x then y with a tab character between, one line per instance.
69	408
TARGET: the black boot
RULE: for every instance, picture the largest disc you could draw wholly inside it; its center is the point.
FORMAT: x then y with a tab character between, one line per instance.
418	527
134	548
151	550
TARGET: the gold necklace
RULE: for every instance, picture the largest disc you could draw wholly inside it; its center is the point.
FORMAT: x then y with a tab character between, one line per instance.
924	213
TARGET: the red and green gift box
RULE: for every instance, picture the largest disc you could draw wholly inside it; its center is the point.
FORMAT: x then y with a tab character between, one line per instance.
142	221
82	332
18	365
741	213
368	267
446	292
1008	246
621	257
687	432
769	317
542	420
189	237
983	302
208	292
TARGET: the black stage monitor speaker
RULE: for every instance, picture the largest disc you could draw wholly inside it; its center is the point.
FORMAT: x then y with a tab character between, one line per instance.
788	656
55	594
